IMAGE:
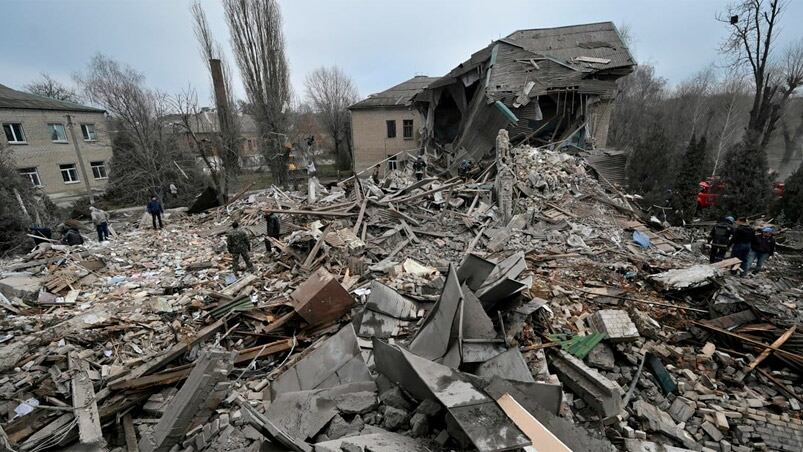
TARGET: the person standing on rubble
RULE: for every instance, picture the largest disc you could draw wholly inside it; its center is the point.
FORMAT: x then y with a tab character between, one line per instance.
720	239
274	228
156	210
419	165
375	175
101	220
238	245
742	239
761	249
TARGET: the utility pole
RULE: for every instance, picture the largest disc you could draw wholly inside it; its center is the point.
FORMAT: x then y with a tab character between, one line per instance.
80	160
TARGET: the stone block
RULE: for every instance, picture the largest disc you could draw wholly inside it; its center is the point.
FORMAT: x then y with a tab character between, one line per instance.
616	324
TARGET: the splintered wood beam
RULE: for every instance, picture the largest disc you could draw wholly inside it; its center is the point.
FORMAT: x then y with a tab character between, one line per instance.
311	257
356	228
85	405
775	346
320	213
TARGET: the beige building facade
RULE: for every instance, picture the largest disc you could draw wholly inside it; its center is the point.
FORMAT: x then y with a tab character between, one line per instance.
384	125
46	137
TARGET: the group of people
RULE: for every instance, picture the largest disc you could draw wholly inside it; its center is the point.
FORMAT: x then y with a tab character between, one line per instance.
744	243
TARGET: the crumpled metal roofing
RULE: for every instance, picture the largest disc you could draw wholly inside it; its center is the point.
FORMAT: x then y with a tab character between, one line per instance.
18	100
398	96
608	164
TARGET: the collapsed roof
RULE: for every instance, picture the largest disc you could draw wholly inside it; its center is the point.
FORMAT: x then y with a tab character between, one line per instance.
540	84
400	95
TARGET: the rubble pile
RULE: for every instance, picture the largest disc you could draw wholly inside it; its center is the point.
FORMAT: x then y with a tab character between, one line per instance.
527	307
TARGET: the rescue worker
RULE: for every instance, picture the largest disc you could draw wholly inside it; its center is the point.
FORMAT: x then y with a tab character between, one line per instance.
72	237
238	245
464	168
101	221
375	175
720	239
742	238
156	210
273	228
761	249
419	165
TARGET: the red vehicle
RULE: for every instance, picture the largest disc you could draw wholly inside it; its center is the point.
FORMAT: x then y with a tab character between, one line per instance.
712	188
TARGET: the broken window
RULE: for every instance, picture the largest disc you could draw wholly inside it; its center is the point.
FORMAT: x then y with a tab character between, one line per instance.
88	131
32	175
391	123
99	170
14	133
393	163
57	133
407	129
69	173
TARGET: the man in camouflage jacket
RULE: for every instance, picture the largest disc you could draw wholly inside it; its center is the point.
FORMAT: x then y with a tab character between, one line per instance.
238	245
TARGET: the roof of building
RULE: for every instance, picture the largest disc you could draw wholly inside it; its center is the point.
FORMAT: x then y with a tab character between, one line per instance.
398	96
13	99
567	44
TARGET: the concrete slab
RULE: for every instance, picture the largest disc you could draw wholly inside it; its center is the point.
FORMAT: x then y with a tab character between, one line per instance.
25	287
615	323
432	339
602	394
375	442
509	365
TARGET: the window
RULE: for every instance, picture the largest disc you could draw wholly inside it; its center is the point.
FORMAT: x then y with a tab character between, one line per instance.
14	133
98	170
88	131
391	128
393	163
57	133
407	129
69	173
32	175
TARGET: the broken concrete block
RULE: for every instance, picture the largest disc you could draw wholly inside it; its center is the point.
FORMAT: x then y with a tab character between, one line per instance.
602	394
340	428
419	424
616	324
395	397
394	418
195	399
375	442
682	409
637	445
659	421
601	357
711	430
356	402
22	286
429	408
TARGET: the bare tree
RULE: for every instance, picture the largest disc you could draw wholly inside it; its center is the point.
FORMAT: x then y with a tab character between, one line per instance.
754	27
331	91
145	158
258	43
227	136
47	86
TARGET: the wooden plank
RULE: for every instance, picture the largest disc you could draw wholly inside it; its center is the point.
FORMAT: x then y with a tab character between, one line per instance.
316	213
543	440
775	346
264	350
177	350
130	434
85	405
789	355
356	228
311	256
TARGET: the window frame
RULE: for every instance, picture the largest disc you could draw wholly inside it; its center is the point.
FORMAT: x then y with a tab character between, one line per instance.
10	126
101	165
52	128
85	132
405	124
390	125
393	163
31	171
74	170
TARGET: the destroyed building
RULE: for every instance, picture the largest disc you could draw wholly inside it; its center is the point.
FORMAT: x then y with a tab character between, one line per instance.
542	85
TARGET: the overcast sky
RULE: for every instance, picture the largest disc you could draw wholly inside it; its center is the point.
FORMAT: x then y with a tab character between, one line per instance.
379	43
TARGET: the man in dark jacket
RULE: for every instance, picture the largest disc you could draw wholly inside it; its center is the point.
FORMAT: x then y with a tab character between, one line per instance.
761	249
273	226
238	245
419	165
72	237
720	239
742	239
155	209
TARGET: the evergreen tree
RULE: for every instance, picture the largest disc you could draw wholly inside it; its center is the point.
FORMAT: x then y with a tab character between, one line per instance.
686	185
747	183
792	202
647	163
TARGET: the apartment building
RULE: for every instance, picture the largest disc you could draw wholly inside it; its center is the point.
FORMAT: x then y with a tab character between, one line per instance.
63	148
385	124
